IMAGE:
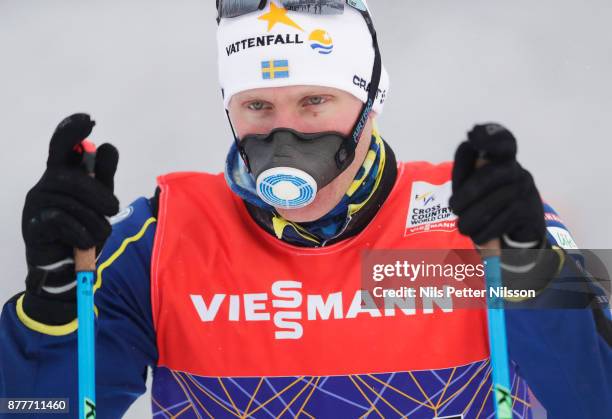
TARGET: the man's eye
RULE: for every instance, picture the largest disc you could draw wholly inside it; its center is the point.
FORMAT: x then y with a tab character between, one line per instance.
315	100
256	106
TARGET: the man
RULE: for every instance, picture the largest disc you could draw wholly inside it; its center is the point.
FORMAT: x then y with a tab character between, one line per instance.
243	291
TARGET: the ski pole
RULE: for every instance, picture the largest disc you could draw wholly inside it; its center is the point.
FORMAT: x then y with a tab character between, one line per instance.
85	267
498	342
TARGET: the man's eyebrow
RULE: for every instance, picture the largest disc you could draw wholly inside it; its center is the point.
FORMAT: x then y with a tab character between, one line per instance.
315	92
248	97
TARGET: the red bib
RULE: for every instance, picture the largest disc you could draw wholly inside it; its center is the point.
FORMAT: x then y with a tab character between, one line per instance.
231	300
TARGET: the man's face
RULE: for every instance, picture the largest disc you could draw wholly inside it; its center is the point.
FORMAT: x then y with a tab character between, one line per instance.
307	109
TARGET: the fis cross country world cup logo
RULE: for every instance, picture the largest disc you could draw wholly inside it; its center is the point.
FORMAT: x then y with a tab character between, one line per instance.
429	209
426	198
321	42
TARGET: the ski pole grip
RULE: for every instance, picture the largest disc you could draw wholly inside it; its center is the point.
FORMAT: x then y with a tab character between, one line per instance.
493	246
85	260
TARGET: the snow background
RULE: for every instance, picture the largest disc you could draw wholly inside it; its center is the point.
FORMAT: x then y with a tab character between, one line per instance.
146	72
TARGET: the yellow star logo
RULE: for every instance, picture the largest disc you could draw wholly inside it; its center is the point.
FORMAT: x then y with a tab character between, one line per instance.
278	15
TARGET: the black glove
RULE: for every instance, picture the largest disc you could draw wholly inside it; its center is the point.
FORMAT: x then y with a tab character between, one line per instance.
498	199
64	210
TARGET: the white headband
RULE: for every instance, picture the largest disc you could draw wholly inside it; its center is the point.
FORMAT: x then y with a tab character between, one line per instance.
275	48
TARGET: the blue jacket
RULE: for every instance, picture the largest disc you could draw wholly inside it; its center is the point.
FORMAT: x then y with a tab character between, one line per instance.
564	355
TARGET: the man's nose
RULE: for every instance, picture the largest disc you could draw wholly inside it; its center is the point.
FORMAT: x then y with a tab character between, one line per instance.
287	118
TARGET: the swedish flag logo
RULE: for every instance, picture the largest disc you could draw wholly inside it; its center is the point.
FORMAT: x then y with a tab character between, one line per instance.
275	69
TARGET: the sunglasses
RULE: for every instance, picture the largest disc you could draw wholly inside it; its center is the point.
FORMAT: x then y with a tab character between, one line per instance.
235	8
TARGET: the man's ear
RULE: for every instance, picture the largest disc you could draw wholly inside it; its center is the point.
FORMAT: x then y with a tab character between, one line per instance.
372	117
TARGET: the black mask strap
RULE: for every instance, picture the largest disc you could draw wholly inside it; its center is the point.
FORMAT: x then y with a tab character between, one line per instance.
346	154
240	148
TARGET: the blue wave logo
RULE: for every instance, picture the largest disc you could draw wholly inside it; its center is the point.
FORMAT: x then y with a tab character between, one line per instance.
321	42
